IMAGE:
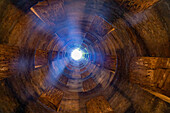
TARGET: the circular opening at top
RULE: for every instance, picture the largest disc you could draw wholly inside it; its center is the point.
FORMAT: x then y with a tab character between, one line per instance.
76	54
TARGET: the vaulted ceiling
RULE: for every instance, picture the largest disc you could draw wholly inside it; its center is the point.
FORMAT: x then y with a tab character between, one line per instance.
125	67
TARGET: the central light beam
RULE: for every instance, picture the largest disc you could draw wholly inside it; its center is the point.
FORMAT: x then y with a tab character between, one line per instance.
76	54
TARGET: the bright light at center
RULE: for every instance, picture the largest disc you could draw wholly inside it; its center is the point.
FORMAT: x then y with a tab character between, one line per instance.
76	54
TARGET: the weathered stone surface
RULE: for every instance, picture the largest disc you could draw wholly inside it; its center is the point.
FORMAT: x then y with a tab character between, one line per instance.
41	58
97	57
52	97
119	103
14	60
30	84
136	5
9	60
8	102
150	63
19	28
85	74
38	107
40	80
151	73
152	27
89	84
51	12
63	79
164	83
141	100
70	103
56	54
92	38
28	31
8	19
24	5
109	44
74	85
104	77
110	62
100	27
98	105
